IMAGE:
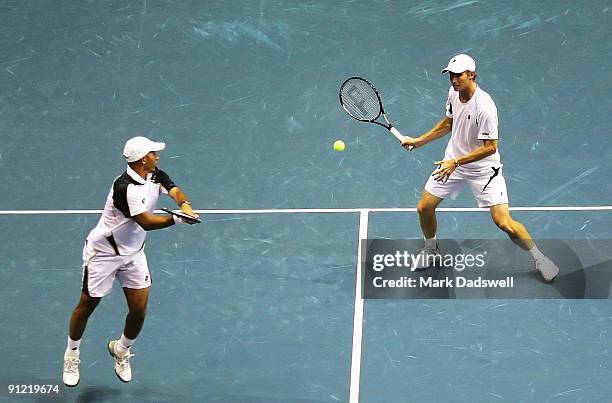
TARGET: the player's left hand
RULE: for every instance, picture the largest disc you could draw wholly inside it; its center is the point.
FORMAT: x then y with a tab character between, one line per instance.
186	209
444	171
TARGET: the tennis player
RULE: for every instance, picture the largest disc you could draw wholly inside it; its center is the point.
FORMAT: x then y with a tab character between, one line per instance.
471	158
115	249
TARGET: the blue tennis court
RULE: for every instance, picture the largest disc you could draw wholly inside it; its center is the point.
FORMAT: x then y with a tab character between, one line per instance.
261	302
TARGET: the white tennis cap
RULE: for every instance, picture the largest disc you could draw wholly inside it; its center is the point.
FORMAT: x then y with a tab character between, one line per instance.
460	63
137	147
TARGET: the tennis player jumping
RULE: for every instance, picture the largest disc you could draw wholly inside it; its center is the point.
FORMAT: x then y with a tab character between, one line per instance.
471	157
115	250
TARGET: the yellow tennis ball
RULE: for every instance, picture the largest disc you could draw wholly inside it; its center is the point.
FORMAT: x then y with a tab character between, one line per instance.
339	145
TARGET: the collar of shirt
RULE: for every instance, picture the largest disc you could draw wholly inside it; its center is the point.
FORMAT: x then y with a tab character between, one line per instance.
135	176
474	95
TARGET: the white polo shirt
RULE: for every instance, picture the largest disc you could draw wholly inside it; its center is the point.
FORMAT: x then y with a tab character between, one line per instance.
130	195
473	121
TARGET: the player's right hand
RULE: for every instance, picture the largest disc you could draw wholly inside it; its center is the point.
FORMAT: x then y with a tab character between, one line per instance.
409	142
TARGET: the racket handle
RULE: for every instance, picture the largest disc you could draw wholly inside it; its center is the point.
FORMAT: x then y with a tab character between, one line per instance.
399	136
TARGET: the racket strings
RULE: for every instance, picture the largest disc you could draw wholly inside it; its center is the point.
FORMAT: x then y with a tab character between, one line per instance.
360	100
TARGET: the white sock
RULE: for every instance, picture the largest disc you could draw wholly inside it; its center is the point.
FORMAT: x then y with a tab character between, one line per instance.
535	253
431	243
122	347
73	347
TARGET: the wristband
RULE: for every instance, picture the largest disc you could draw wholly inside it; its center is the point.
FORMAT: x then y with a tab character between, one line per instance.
177	220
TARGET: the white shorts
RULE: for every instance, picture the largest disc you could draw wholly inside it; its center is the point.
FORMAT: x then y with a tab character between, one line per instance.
488	186
100	270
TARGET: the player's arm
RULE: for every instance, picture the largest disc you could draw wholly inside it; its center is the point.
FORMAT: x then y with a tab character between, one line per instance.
441	129
135	209
149	221
182	200
175	192
489	147
446	167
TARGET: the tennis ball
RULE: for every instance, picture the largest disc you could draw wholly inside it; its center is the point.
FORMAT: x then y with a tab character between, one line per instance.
339	145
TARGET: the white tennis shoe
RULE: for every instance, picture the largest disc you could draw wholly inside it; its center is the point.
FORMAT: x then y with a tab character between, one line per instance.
425	259
122	363
547	268
71	376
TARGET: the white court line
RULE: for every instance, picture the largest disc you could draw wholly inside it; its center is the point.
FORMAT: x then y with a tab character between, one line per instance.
358	315
323	210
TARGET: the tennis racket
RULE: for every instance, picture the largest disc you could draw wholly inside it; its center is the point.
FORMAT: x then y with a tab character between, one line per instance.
361	101
181	215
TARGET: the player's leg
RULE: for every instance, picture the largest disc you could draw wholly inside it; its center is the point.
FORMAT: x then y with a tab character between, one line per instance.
80	316
426	208
135	280
78	321
137	301
432	196
490	191
514	229
520	236
98	276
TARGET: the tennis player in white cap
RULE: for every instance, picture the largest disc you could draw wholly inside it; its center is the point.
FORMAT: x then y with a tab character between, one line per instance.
115	249
471	158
